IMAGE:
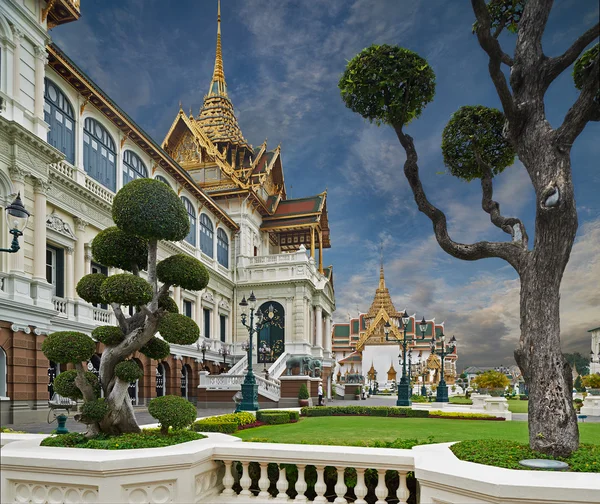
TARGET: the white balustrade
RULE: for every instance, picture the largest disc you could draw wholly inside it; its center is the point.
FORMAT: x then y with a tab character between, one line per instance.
268	388
188	247
61	306
240	366
279	366
102	316
65	169
99	190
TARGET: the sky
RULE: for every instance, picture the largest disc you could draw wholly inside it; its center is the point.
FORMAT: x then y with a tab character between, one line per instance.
282	62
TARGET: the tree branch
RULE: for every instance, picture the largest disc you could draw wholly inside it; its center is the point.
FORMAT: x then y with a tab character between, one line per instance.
121	319
510	225
152	254
82	384
492	47
555	66
583	110
510	252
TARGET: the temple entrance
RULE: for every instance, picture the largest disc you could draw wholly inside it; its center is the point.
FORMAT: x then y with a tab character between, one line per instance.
272	334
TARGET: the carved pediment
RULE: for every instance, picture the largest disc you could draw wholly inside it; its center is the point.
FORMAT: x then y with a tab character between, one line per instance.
55	223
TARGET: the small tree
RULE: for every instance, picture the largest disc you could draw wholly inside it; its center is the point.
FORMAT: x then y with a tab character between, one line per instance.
579	385
392	85
303	392
491	380
145	212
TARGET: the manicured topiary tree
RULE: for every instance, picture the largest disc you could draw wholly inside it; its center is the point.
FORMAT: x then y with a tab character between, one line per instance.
145	212
172	411
391	85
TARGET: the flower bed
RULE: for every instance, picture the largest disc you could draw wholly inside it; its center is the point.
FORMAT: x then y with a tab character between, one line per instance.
456	415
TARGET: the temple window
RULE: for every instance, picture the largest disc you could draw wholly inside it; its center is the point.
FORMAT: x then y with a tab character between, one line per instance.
206	235
133	167
222	248
191	237
58	113
162	179
99	158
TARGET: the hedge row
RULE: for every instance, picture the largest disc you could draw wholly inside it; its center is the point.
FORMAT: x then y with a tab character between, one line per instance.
273	417
226	424
380	411
465	416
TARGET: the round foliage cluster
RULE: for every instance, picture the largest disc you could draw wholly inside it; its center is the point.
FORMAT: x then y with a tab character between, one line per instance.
64	384
128	371
183	271
109	335
178	329
172	411
93	411
68	346
126	289
387	84
156	349
583	67
113	247
506	13
89	287
150	209
471	130
168	304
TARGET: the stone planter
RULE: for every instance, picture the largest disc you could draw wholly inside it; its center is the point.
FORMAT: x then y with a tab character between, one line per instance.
496	392
303	402
594	391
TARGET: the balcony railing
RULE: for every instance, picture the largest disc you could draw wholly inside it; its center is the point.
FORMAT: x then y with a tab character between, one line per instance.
99	190
61	306
101	315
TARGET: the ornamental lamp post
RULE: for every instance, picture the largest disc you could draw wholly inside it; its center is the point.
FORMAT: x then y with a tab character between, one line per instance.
17	218
423	373
203	347
224	351
442	390
410	369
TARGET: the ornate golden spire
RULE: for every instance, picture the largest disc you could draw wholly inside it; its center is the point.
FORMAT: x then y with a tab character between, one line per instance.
217	85
382	300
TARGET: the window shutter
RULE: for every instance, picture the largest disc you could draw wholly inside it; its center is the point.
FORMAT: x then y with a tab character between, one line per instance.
60	273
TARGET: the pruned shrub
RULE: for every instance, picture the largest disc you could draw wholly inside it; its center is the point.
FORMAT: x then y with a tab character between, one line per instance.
273	417
89	288
93	411
156	349
126	289
128	371
178	329
172	411
168	304
380	411
64	384
114	247
68	347
184	271
303	392
108	335
215	426
150	209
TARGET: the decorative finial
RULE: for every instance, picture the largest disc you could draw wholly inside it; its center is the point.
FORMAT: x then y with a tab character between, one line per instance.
381	278
217	85
180	107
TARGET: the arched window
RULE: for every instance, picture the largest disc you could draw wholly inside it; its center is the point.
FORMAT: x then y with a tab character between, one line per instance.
206	235
162	179
133	167
3	373
222	248
99	154
58	113
191	237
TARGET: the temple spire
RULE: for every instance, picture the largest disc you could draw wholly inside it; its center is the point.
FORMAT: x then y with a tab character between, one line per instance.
217	85
381	278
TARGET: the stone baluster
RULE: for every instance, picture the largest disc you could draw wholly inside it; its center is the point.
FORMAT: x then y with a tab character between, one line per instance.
263	482
320	486
228	479
340	488
381	489
282	484
360	490
402	489
245	480
301	485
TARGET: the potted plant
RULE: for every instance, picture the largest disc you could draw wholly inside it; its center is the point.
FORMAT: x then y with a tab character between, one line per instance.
494	382
592	382
303	396
357	393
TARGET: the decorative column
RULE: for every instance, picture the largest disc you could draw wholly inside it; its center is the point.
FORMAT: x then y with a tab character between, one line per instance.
41	290
312	242
177	297
88	259
79	269
327	335
18	36
41	58
319	326
69	273
321	252
216	327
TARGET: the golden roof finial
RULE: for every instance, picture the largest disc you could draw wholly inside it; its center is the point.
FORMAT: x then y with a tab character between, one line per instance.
381	278
217	85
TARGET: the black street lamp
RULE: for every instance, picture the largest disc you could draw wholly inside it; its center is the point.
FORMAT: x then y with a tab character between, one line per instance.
249	387
203	347
423	372
404	385
410	369
224	351
442	389
16	218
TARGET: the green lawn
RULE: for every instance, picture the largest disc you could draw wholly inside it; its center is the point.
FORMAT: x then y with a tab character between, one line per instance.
341	430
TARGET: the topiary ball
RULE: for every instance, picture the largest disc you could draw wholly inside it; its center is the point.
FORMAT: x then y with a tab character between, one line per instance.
168	304
150	209
68	347
109	335
183	271
471	129
93	411
128	371
156	349
89	288
178	329
582	69
387	84
64	384
172	411
127	289
114	247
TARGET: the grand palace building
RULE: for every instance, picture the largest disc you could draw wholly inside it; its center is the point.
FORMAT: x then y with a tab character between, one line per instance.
66	147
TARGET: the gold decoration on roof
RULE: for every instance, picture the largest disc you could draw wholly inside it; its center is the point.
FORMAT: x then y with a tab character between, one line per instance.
391	373
382	300
371	374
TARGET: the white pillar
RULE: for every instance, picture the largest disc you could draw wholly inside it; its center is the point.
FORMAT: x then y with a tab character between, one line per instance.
327	335
17	264
80	226
88	259
41	57
18	35
319	326
177	297
40	188
216	329
69	273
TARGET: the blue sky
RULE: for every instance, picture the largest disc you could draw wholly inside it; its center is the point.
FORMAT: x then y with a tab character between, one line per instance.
282	61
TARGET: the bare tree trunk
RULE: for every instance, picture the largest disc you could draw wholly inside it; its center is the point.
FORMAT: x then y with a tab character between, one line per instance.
120	417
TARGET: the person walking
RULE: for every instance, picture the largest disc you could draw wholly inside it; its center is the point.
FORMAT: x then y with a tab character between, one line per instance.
320	392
